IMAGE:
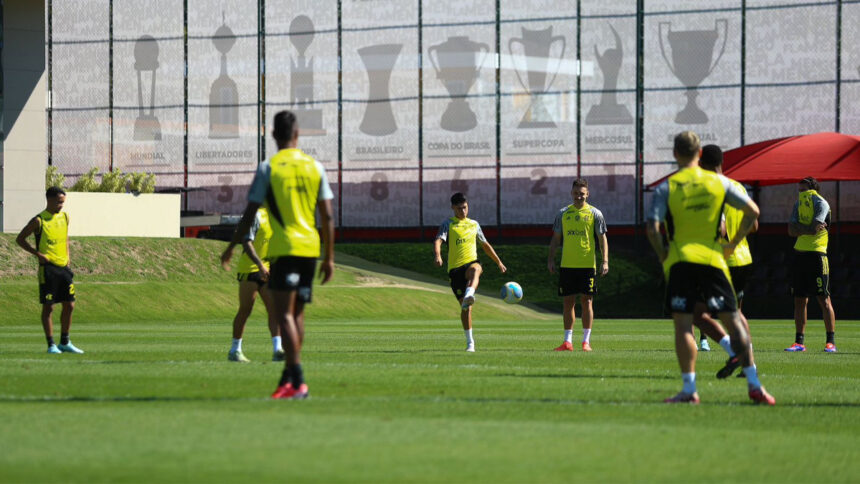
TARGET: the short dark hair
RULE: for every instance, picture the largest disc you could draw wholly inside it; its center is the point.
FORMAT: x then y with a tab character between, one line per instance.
812	183
54	192
579	182
457	199
285	126
712	157
687	145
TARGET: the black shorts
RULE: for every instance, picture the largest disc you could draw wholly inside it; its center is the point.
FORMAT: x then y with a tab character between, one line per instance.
56	284
457	276
692	283
576	281
811	275
740	275
251	277
293	274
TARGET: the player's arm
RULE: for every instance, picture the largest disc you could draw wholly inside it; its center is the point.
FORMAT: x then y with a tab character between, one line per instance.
656	214
744	203
244	226
437	251
652	229
488	249
554	242
22	241
248	246
68	252
604	252
796	229
327	266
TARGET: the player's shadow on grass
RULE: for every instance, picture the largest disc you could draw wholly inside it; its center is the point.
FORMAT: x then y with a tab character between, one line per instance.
590	376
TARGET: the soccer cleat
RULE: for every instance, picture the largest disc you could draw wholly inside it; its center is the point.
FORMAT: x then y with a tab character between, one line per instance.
283	390
238	357
830	348
704	346
759	395
54	350
70	348
796	347
278	355
566	346
732	364
470	348
586	346
691	398
287	392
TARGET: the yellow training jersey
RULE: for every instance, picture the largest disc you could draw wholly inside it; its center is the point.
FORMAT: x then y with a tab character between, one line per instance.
259	235
811	207
579	228
741	256
290	184
52	237
462	237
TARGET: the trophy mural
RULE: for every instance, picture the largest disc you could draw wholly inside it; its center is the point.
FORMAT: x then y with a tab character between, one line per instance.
146	126
536	46
457	67
692	54
379	61
609	111
302	78
223	95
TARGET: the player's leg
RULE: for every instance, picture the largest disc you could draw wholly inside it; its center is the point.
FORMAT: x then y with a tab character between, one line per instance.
710	327
586	302
800	303
65	295
283	307
829	322
274	329
466	321
685	350
742	344
568	319
48	327
473	278
247	295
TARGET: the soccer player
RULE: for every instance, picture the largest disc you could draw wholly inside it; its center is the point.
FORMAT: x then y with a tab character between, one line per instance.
809	222
292	185
253	272
739	262
579	228
690	204
56	285
462	235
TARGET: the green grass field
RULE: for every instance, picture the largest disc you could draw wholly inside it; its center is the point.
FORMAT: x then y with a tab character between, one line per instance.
394	396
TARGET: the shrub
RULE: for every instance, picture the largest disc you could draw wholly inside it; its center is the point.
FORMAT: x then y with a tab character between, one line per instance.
142	182
87	182
53	178
114	182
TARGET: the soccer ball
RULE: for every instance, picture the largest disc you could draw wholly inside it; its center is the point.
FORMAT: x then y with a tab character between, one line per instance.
512	293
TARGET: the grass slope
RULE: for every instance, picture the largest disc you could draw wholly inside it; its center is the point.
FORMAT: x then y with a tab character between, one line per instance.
394	397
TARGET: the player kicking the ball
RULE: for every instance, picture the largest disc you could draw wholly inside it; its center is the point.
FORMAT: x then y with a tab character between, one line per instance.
462	234
581	227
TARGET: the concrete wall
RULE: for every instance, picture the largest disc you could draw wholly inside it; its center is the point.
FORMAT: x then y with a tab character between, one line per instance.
22	172
123	214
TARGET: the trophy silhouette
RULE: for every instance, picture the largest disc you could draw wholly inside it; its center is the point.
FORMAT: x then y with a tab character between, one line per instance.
457	68
609	111
379	61
692	52
536	45
223	95
146	126
302	78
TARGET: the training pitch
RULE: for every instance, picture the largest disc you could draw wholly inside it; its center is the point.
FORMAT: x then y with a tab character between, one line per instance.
394	398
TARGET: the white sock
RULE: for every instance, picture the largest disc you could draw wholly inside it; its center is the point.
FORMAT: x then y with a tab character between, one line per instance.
568	336
469	340
752	377
236	346
470	291
689	383
276	344
726	343
586	335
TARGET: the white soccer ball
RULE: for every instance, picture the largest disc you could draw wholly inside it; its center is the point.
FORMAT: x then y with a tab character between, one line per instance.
512	293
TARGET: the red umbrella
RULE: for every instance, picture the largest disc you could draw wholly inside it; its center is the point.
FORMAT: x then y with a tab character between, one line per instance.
824	156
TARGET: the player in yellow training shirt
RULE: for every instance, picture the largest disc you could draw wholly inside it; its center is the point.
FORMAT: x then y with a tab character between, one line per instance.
56	284
253	272
690	204
809	222
463	235
293	187
740	268
580	228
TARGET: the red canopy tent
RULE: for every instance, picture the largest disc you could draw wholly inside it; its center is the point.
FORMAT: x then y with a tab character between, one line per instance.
825	156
